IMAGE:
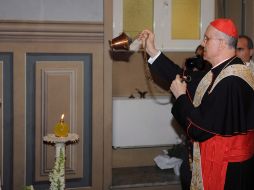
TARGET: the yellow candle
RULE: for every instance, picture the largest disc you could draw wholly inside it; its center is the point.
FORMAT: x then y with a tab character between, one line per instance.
61	129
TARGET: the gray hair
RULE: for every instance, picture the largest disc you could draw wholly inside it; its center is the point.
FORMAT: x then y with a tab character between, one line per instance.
231	41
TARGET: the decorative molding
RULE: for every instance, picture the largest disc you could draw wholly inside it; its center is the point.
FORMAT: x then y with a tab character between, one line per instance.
14	31
60	83
70	72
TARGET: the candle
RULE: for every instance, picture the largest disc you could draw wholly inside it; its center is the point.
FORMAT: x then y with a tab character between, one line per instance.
61	129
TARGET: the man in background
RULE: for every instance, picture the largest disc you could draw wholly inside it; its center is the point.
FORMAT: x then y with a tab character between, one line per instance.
244	50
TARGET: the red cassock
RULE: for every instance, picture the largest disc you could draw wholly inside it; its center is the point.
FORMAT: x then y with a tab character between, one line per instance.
218	151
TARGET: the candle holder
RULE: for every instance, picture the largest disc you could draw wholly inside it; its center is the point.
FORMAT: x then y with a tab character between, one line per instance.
60	143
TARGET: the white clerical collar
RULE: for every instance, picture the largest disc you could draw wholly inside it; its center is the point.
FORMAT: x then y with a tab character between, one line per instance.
221	63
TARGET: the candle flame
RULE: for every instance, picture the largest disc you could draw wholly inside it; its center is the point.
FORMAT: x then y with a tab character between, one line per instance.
62	117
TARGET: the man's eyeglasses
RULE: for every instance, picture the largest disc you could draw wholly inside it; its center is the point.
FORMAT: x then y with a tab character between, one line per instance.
206	39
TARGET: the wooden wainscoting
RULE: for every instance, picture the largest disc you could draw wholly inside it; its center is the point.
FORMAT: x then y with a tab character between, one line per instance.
50	68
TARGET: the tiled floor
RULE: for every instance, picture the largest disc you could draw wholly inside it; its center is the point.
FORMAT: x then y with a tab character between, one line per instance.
143	176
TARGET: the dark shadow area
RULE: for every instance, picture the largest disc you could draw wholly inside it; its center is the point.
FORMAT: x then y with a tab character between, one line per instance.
121	55
143	176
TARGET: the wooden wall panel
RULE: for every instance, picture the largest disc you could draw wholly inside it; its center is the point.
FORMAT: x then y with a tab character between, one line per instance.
6	122
59	89
57	67
59	83
1	122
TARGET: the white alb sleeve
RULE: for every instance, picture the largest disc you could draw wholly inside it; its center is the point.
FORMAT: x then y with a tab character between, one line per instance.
152	59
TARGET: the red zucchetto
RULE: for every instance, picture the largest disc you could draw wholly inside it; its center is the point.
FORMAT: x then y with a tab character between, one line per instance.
226	26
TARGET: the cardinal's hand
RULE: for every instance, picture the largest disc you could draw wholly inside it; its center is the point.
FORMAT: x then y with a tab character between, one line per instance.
178	86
